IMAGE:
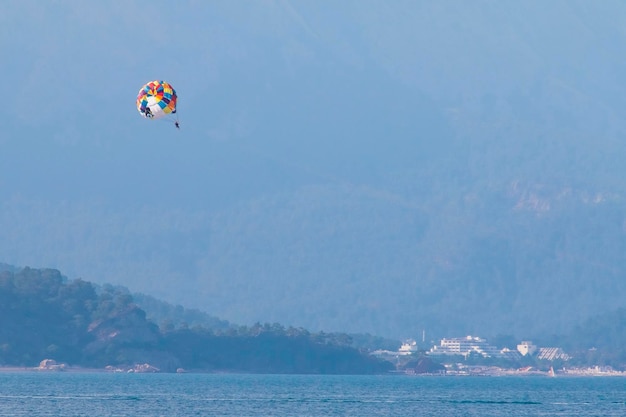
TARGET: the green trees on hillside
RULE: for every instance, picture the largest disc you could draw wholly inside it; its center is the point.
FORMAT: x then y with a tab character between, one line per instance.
44	315
41	316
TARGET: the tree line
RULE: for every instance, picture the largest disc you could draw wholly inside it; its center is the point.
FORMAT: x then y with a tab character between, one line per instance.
45	315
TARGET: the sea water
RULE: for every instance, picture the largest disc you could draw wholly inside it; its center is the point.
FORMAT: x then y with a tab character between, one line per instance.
68	394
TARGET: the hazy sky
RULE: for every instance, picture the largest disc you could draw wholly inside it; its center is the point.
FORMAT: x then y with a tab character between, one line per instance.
243	70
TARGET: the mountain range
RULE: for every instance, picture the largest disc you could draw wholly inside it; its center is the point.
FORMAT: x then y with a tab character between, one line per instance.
364	166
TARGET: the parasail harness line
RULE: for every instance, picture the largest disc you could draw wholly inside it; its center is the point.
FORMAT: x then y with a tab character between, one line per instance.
177	121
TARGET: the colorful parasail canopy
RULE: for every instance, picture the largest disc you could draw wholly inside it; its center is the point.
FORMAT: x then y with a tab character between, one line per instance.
156	99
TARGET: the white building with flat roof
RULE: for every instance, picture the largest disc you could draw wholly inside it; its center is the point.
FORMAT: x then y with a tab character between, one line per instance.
465	346
408	347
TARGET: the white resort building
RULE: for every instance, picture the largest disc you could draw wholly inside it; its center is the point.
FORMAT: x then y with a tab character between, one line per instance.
552	353
547	353
526	348
465	346
408	347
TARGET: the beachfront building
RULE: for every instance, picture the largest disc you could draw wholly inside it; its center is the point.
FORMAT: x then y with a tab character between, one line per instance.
552	353
526	348
409	347
465	346
545	353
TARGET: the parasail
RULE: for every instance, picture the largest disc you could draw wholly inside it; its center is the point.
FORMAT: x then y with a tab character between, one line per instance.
156	99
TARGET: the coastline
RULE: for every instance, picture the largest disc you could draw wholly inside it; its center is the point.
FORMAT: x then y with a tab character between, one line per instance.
36	369
566	373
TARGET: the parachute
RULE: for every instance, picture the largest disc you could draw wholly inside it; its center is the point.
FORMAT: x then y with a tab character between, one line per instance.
156	100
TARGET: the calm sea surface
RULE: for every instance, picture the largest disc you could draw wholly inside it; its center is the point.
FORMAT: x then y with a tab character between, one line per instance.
102	394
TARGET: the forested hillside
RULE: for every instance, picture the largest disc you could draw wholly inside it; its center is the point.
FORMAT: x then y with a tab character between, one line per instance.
45	316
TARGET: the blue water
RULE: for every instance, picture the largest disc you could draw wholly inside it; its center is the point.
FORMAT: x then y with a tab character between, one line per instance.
176	395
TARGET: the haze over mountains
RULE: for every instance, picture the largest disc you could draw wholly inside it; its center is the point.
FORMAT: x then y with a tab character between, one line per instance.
358	166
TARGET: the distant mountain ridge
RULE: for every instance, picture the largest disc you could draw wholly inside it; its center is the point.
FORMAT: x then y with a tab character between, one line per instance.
454	168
